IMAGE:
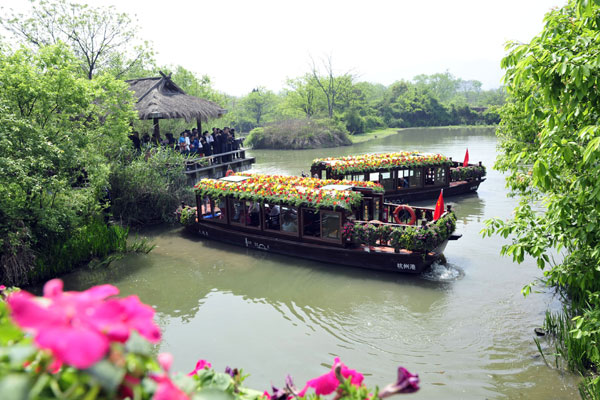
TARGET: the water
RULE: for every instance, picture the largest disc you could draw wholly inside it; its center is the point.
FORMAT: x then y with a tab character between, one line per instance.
464	327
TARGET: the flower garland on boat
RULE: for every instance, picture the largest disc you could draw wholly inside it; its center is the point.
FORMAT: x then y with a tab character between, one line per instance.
413	238
462	173
374	162
292	190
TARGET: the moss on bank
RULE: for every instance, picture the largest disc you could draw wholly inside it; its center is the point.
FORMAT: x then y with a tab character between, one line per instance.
299	134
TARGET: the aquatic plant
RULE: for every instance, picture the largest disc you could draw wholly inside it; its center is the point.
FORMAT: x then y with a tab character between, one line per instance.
93	345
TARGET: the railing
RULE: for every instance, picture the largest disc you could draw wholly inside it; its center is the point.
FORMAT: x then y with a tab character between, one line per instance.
199	163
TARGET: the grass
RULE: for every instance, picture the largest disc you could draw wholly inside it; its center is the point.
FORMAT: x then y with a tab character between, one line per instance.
363	137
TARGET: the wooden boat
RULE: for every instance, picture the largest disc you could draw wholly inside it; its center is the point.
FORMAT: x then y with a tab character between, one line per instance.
332	221
405	176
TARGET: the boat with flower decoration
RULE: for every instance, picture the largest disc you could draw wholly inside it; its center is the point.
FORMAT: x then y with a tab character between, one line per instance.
405	176
333	221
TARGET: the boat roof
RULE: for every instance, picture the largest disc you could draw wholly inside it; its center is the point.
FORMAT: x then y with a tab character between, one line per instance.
378	161
291	190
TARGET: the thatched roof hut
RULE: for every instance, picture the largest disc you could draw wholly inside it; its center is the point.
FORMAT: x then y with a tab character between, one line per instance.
161	98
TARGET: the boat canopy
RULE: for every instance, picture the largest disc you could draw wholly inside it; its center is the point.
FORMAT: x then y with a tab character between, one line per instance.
292	190
381	161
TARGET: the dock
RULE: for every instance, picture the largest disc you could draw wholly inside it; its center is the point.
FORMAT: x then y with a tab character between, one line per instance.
216	166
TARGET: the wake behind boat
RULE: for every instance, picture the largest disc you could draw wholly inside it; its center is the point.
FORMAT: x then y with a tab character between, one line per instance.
405	176
342	222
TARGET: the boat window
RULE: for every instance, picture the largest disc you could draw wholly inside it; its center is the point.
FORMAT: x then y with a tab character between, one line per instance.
220	210
330	225
236	210
272	213
374	177
404	178
415	178
311	223
347	177
376	208
252	214
429	176
387	180
358	177
289	220
440	176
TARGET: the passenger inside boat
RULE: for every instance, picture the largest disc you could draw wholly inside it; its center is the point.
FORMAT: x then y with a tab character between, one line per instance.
312	223
289	220
253	213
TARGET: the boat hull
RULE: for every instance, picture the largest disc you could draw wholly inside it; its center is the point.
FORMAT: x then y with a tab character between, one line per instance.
455	189
373	258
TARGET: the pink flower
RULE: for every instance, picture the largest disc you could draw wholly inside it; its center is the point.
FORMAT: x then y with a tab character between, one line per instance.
167	390
328	383
77	327
200	365
165	360
406	383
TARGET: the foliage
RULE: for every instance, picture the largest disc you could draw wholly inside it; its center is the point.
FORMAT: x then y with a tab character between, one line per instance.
118	360
550	140
462	173
381	161
147	188
290	190
56	131
187	216
101	38
298	134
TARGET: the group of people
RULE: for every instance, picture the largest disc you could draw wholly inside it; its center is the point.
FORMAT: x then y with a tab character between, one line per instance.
191	142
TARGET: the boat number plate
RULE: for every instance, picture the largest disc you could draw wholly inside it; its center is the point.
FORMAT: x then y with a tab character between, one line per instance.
256	245
411	267
203	233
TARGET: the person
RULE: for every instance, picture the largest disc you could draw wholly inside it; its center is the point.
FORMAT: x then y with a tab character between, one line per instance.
135	138
290	222
181	142
206	145
254	214
195	144
187	141
274	217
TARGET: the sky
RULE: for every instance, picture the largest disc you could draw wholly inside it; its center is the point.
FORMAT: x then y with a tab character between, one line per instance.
244	44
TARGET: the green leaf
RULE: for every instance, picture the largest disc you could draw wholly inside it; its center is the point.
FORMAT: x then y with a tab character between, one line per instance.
108	375
15	387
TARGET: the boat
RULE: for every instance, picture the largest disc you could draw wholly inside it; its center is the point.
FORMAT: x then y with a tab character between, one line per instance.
332	221
405	176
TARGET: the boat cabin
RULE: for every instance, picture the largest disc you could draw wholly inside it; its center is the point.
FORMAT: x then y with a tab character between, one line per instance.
288	219
402	173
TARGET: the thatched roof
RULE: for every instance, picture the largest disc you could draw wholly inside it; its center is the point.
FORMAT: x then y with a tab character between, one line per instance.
161	98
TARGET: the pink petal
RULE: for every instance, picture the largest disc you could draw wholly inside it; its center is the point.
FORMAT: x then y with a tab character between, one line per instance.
165	360
167	390
53	288
97	293
76	346
200	365
29	314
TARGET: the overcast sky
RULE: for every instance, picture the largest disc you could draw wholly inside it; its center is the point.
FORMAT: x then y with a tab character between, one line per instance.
242	44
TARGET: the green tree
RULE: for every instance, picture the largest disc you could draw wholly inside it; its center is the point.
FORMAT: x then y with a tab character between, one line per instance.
259	103
102	38
550	140
57	130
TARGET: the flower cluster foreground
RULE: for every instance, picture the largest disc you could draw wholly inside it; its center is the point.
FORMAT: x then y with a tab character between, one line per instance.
91	345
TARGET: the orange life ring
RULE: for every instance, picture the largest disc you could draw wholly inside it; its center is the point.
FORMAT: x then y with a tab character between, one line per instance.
408	209
229	172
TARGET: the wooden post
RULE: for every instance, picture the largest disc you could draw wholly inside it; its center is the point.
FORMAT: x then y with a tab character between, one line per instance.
156	127
199	123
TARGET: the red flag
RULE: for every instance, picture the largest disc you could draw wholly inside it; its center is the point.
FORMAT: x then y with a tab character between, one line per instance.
439	206
466	162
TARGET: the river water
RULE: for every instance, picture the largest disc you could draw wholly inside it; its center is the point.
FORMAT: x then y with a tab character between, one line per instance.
464	328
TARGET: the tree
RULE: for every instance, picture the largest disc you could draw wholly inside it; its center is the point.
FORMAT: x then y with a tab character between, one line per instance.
303	95
101	38
57	130
258	103
331	86
550	141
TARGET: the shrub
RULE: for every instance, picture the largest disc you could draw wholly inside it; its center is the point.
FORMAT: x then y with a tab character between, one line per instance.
299	134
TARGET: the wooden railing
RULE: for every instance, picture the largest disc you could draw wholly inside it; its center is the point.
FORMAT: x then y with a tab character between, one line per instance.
195	164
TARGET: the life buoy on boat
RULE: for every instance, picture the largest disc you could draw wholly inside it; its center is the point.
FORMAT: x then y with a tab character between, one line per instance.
229	172
409	210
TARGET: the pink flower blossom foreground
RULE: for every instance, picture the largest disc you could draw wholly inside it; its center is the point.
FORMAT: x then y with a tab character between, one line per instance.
200	365
328	383
78	327
406	383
